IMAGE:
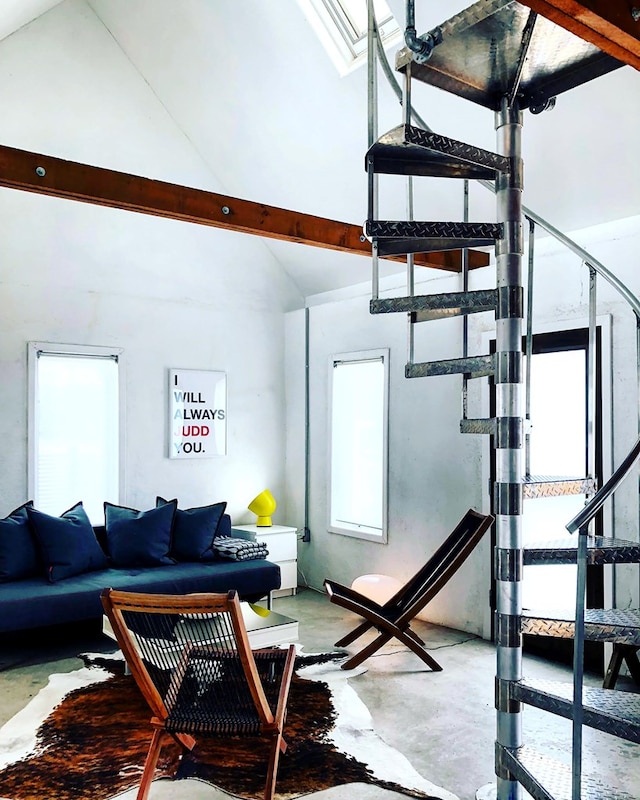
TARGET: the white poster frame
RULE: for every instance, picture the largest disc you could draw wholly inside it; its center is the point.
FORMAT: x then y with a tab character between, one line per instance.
197	413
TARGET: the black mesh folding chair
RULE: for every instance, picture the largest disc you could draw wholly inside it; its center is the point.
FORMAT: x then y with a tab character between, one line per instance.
393	618
191	658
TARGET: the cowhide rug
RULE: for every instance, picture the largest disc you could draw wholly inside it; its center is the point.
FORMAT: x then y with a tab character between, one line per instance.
85	737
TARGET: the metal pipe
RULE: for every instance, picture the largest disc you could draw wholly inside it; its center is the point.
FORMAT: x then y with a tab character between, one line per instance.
411	288
306	534
578	668
372	116
421	46
529	350
591	375
465	319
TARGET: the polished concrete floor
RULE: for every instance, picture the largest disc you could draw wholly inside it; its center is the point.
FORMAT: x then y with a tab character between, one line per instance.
443	722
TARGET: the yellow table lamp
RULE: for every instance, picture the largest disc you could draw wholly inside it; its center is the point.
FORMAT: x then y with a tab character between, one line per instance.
263	506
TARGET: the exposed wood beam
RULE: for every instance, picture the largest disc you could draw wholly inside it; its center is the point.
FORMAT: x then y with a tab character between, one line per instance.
608	24
33	172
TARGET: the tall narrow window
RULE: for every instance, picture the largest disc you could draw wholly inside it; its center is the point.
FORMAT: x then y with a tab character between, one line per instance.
74	427
358	442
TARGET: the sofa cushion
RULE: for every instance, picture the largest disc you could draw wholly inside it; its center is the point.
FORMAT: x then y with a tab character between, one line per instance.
194	530
67	544
139	538
33	603
18	554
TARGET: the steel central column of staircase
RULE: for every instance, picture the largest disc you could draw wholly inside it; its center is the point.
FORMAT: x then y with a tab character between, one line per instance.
509	433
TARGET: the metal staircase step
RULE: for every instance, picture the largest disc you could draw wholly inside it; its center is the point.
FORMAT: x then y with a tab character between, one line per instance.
535	486
621	626
398	237
557	61
407	150
438	306
487	426
474	367
600	550
616	713
547	779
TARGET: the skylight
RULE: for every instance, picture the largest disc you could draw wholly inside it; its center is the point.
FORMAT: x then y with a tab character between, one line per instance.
341	26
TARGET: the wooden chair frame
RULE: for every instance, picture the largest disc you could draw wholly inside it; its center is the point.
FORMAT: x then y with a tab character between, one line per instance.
393	618
271	721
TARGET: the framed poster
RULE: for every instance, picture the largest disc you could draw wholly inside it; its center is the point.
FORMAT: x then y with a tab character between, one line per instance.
197	413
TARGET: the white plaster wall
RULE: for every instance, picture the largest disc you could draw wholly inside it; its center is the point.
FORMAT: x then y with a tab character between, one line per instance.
170	294
435	472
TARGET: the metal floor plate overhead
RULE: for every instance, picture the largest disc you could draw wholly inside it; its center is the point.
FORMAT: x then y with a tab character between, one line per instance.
482	48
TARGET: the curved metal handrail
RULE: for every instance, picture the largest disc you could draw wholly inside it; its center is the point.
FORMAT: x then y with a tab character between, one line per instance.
584	517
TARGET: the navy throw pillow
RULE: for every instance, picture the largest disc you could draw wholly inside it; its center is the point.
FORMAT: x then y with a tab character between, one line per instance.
194	530
139	538
67	544
18	554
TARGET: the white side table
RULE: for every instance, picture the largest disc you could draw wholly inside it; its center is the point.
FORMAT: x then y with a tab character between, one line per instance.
282	544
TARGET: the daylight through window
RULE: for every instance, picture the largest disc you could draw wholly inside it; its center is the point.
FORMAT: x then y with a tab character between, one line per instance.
358	442
74	428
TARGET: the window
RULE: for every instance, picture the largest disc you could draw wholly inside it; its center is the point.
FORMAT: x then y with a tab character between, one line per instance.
358	444
74	430
341	26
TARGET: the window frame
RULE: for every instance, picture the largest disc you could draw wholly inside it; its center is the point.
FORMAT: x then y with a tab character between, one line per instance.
361	531
333	26
70	350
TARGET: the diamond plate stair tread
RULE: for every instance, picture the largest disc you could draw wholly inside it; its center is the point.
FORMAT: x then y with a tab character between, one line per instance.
621	626
436	306
536	486
474	366
408	150
615	713
547	779
600	550
429	229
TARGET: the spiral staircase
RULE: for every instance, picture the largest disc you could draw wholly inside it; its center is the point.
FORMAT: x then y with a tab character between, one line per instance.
501	55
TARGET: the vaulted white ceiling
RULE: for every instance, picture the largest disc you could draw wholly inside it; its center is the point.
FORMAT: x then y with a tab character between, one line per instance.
252	89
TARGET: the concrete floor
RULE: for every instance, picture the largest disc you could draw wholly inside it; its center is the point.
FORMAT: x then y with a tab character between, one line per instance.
443	722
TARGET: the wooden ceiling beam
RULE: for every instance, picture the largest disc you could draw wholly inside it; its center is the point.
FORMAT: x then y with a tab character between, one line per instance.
55	177
611	25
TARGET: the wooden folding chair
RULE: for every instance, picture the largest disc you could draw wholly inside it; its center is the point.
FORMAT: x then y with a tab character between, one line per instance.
191	658
393	618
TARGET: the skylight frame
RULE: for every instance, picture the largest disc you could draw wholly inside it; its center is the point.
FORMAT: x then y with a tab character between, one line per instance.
335	23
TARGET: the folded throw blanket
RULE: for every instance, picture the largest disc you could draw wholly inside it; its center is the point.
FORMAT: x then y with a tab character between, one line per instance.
239	549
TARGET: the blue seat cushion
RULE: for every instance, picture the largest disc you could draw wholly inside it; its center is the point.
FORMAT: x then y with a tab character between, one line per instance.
34	603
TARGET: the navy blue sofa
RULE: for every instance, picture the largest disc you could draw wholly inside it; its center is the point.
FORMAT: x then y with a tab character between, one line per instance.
35	602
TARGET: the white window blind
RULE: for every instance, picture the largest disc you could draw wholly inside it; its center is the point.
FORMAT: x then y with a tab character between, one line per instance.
75	430
358	444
